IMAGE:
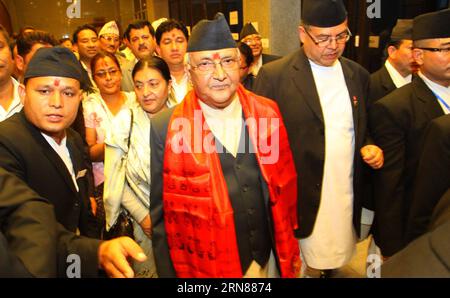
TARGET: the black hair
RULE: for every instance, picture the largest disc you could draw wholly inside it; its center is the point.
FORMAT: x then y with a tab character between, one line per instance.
246	51
391	43
4	33
26	28
61	40
103	55
10	42
153	62
81	28
138	25
26	41
168	26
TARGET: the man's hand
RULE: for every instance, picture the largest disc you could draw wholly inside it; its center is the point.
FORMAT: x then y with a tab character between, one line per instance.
373	156
146	225
113	254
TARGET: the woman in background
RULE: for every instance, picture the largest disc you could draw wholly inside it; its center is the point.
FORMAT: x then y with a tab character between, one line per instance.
152	81
102	111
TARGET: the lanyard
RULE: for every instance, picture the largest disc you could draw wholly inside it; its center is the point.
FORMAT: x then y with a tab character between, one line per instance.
442	101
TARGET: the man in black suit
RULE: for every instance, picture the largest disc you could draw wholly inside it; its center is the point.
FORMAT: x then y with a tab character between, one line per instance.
38	146
322	97
33	244
397	71
398	122
250	36
428	255
432	178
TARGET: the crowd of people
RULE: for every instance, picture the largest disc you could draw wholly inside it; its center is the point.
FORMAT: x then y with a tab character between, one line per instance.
155	153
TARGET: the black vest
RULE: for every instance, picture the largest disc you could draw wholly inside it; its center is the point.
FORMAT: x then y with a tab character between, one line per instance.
245	189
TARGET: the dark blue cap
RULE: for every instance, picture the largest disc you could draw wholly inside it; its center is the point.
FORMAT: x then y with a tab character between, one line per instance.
211	35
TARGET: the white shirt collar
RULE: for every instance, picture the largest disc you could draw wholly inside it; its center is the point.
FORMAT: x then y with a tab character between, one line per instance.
183	81
225	124
53	143
64	154
179	90
443	92
257	66
396	77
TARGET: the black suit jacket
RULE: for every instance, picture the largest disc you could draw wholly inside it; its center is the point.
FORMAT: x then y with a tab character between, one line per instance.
158	133
428	255
432	177
266	58
289	81
381	84
25	153
397	123
32	243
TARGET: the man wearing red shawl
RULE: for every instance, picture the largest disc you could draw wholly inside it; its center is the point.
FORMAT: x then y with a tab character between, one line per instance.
224	188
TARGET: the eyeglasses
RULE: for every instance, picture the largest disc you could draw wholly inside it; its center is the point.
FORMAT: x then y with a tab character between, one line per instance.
210	66
325	41
440	50
103	74
110	38
251	40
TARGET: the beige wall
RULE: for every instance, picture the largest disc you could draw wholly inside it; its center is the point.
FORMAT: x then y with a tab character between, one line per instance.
284	21
157	9
277	22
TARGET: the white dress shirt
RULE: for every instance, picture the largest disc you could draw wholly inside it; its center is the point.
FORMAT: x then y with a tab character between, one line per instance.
179	90
257	66
397	78
15	106
332	242
441	91
64	154
225	124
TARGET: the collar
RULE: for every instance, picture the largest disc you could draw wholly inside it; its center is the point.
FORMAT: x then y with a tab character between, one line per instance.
439	89
321	68
16	97
397	78
225	124
183	81
232	111
53	143
442	92
257	66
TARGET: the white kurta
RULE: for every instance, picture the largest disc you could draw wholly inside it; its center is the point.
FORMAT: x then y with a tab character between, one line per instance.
98	116
15	106
332	242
